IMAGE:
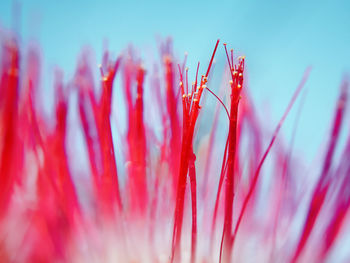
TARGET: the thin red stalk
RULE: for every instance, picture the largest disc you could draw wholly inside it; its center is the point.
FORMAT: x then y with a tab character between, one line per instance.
175	126
212	58
229	190
178	217
195	83
188	131
322	186
338	216
185	99
192	175
342	202
274	136
231	57
9	84
137	151
236	86
186	80
228	115
230	63
109	179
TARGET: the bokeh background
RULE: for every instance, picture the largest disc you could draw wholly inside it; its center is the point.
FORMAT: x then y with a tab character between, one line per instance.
279	38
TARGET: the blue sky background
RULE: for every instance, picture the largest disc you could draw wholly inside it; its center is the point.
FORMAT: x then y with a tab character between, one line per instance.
279	38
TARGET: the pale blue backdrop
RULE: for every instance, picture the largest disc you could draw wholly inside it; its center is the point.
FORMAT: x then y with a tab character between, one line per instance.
279	38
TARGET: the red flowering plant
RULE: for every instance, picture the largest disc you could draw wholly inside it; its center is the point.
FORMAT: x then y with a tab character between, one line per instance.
174	196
